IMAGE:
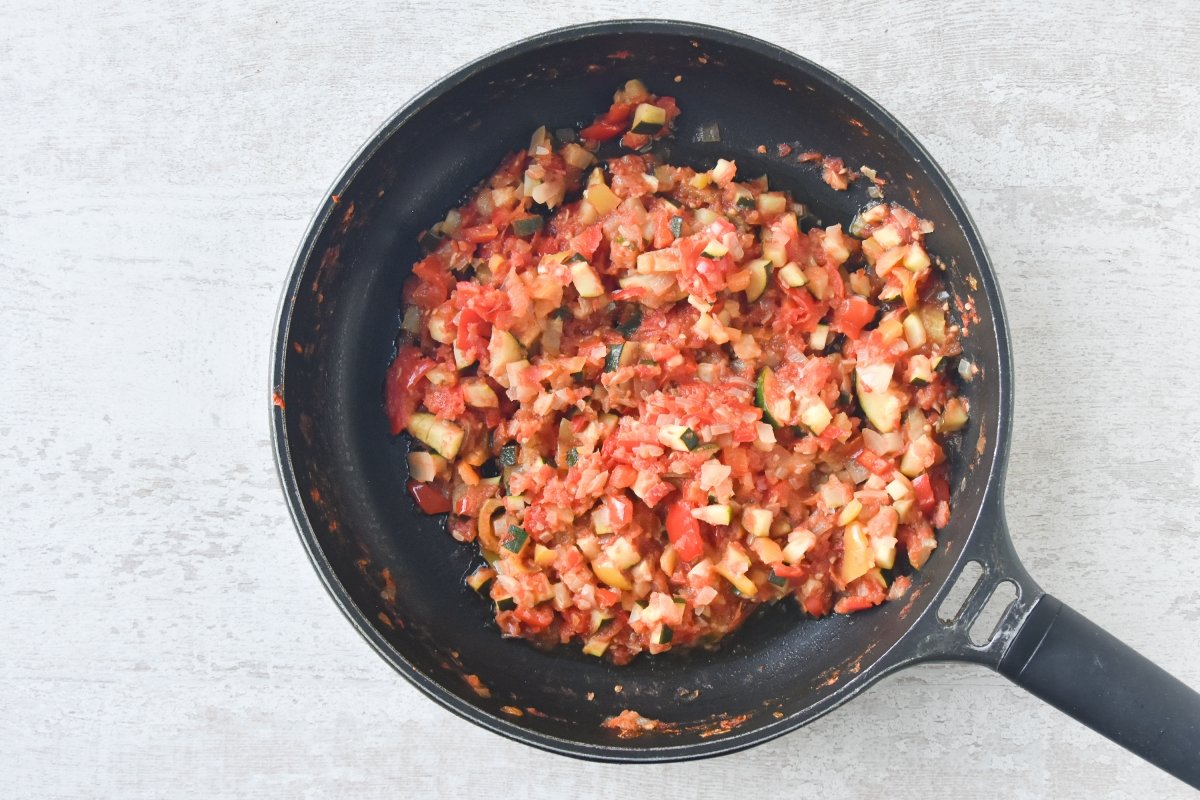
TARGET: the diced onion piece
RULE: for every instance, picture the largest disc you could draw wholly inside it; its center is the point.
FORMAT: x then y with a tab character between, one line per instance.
888	236
724	172
800	541
424	467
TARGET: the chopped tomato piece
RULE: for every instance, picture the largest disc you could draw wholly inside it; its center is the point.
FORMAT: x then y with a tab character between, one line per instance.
537	618
684	531
620	510
852	315
402	392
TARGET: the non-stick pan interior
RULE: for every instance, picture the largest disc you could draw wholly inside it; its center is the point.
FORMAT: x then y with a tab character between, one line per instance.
397	572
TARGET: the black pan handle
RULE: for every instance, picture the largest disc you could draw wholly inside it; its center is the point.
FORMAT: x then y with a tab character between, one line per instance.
1058	655
1079	668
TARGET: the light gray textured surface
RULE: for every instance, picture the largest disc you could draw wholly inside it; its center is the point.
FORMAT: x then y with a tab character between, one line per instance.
161	632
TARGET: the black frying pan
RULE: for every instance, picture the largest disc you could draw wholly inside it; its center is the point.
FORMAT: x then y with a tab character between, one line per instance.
398	576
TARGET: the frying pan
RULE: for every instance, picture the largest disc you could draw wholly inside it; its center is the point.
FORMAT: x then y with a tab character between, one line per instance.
398	576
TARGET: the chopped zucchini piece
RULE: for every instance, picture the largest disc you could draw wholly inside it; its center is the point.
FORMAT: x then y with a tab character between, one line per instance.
792	276
718	514
648	119
508	455
850	512
504	349
572	457
461	359
527	226
774	403
480	577
883	550
916	259
757	521
424	467
920	372
775	580
911	463
954	416
519	536
767	550
440	330
620	355
612	576
857	556
629	319
740	582
816	417
543	556
914	331
935	323
412	320
743	197
760	272
506	604
444	437
478	394
714	249
622	554
881	406
662	634
676	226
772	204
586	281
429	240
601	197
819	338
595	646
679	437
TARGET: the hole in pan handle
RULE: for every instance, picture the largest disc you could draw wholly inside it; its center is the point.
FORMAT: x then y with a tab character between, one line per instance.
1057	654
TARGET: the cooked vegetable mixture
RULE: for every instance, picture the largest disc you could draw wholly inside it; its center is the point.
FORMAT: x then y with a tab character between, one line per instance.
659	398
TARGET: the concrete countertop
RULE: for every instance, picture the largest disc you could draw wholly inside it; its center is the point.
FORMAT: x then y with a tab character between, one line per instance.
161	631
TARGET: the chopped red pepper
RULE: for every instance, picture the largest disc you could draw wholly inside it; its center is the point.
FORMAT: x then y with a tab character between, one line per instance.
923	487
429	498
880	466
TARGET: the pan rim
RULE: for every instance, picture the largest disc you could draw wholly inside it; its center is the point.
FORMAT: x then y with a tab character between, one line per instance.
631	752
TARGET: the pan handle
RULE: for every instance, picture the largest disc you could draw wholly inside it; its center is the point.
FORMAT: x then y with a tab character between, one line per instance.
1058	655
1079	668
